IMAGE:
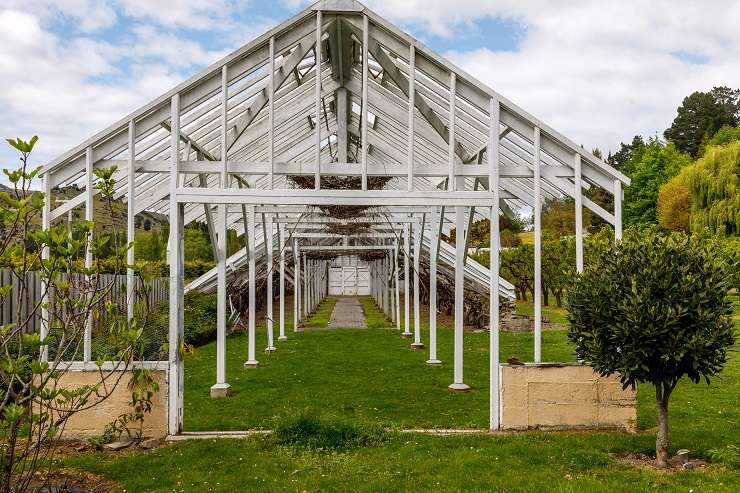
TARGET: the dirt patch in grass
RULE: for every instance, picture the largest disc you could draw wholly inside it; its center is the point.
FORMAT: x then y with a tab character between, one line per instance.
645	461
63	480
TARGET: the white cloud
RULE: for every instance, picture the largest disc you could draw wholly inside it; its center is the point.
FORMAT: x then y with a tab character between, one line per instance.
191	14
598	71
601	72
87	15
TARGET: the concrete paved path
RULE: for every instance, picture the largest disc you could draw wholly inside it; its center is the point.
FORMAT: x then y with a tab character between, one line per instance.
347	314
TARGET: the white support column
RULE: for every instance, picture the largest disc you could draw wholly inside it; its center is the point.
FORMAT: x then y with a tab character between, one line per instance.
451	138
406	287
271	115
617	210
387	287
131	225
434	224
457	383
579	212
493	350
317	127
89	207
296	285
391	290
412	103
45	253
252	316
269	241
363	116
282	336
418	235
221	388
305	295
537	200
342	134
397	287
175	338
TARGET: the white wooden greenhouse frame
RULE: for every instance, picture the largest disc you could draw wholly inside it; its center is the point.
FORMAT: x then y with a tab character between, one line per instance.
220	146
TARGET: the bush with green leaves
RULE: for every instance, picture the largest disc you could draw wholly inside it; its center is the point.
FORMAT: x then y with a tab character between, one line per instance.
654	308
200	318
35	401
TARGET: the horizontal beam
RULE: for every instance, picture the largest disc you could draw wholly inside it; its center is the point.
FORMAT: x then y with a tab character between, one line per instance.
346	169
350	248
370	198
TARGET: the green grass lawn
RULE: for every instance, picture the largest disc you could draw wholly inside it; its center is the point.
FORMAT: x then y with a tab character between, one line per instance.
552	313
370	376
376	319
321	315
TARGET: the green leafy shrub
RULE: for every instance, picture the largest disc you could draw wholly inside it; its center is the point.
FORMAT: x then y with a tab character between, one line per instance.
200	318
654	308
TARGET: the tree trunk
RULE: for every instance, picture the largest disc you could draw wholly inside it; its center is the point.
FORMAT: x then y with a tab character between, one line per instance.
661	440
558	299
545	297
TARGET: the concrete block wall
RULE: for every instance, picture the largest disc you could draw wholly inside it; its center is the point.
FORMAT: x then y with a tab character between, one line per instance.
91	422
564	396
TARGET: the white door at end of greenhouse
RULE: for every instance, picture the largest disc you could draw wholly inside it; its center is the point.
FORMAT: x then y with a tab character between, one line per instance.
363	281
349	281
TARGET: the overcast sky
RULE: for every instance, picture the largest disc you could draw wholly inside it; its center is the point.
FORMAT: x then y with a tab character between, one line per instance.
598	71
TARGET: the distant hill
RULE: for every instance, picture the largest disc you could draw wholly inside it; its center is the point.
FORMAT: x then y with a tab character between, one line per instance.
103	218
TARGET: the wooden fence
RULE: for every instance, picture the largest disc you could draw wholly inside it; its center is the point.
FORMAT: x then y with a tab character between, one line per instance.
18	305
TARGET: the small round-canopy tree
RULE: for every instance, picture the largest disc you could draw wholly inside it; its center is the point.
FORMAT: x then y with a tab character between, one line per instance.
654	308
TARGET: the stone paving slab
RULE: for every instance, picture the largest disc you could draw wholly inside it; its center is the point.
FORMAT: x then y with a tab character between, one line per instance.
347	314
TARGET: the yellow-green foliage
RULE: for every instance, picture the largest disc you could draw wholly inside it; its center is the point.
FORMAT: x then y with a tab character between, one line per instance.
714	184
674	206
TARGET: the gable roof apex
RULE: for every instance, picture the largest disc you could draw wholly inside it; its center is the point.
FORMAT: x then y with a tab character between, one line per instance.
338	6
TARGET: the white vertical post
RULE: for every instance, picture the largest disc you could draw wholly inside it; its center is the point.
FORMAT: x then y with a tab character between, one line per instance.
396	285
391	289
579	212
317	128
365	41
406	286
175	377
271	116
252	316
224	178
537	202
617	210
387	286
270	245
221	388
296	285
305	295
45	254
457	383
451	136
89	207
418	235
281	230
131	224
434	224
342	134
412	96
494	315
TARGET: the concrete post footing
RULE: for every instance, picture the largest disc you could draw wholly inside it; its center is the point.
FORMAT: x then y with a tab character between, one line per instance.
220	390
459	387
